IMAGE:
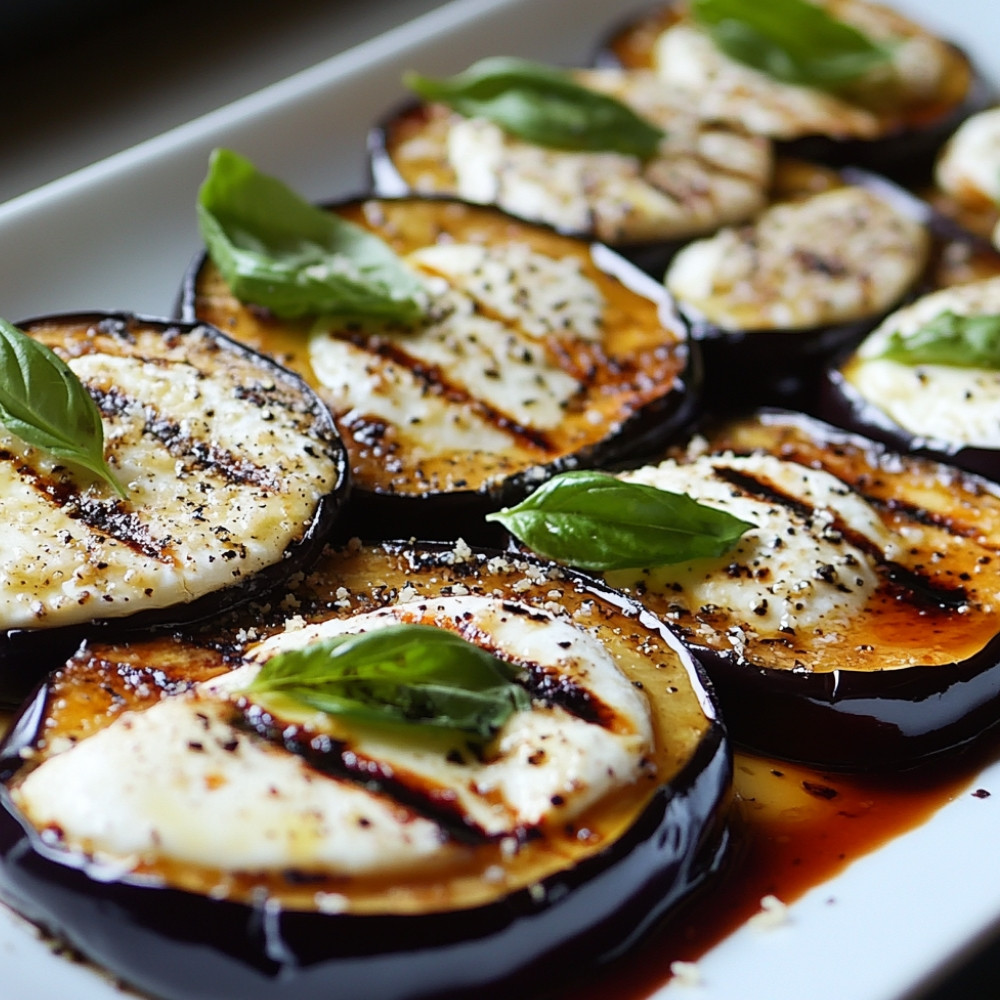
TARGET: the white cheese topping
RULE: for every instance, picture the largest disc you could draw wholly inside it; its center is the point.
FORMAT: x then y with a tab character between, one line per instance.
189	526
724	89
180	781
543	756
969	165
794	569
946	406
545	296
177	781
494	308
837	256
702	176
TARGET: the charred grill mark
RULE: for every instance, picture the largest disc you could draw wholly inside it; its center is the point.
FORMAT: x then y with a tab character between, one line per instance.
434	379
107	517
753	487
337	759
924	517
923	591
545	684
918	588
195	453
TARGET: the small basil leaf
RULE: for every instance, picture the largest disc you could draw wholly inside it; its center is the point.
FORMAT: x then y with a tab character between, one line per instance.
949	339
595	521
794	41
277	250
542	105
403	674
44	403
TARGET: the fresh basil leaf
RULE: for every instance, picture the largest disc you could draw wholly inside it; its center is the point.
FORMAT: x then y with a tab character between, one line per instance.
44	403
277	250
401	674
949	339
596	521
542	105
794	41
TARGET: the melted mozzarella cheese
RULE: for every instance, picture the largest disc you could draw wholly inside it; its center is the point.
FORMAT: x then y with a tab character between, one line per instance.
724	89
218	488
969	165
947	406
360	386
548	765
492	308
837	256
544	296
184	781
794	569
703	175
178	781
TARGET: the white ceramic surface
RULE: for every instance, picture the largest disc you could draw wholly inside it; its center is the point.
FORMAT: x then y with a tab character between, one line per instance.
119	235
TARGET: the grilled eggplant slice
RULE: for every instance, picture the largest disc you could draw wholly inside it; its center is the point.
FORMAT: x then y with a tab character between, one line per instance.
233	474
856	625
946	411
893	128
781	295
383	863
967	175
541	352
703	175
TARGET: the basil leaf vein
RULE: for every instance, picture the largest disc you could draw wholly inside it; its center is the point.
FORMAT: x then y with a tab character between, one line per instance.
596	521
949	339
541	105
791	40
46	405
402	674
277	250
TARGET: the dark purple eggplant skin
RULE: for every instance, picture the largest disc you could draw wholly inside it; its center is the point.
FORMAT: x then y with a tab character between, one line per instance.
905	153
841	404
858	721
27	654
651	256
853	720
177	945
745	369
181	946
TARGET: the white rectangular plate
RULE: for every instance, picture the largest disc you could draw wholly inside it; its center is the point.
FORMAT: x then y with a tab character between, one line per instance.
119	235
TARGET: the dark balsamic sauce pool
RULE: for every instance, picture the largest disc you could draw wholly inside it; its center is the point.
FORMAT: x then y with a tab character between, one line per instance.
794	828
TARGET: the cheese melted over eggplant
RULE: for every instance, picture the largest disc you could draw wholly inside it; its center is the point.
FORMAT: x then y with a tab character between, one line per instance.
534	349
840	255
945	406
920	70
224	458
158	766
703	174
857	560
969	165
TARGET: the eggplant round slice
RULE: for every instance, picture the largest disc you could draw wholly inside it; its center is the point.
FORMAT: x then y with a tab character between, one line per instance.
540	352
894	121
246	844
703	175
967	175
944	404
232	475
778	297
855	625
